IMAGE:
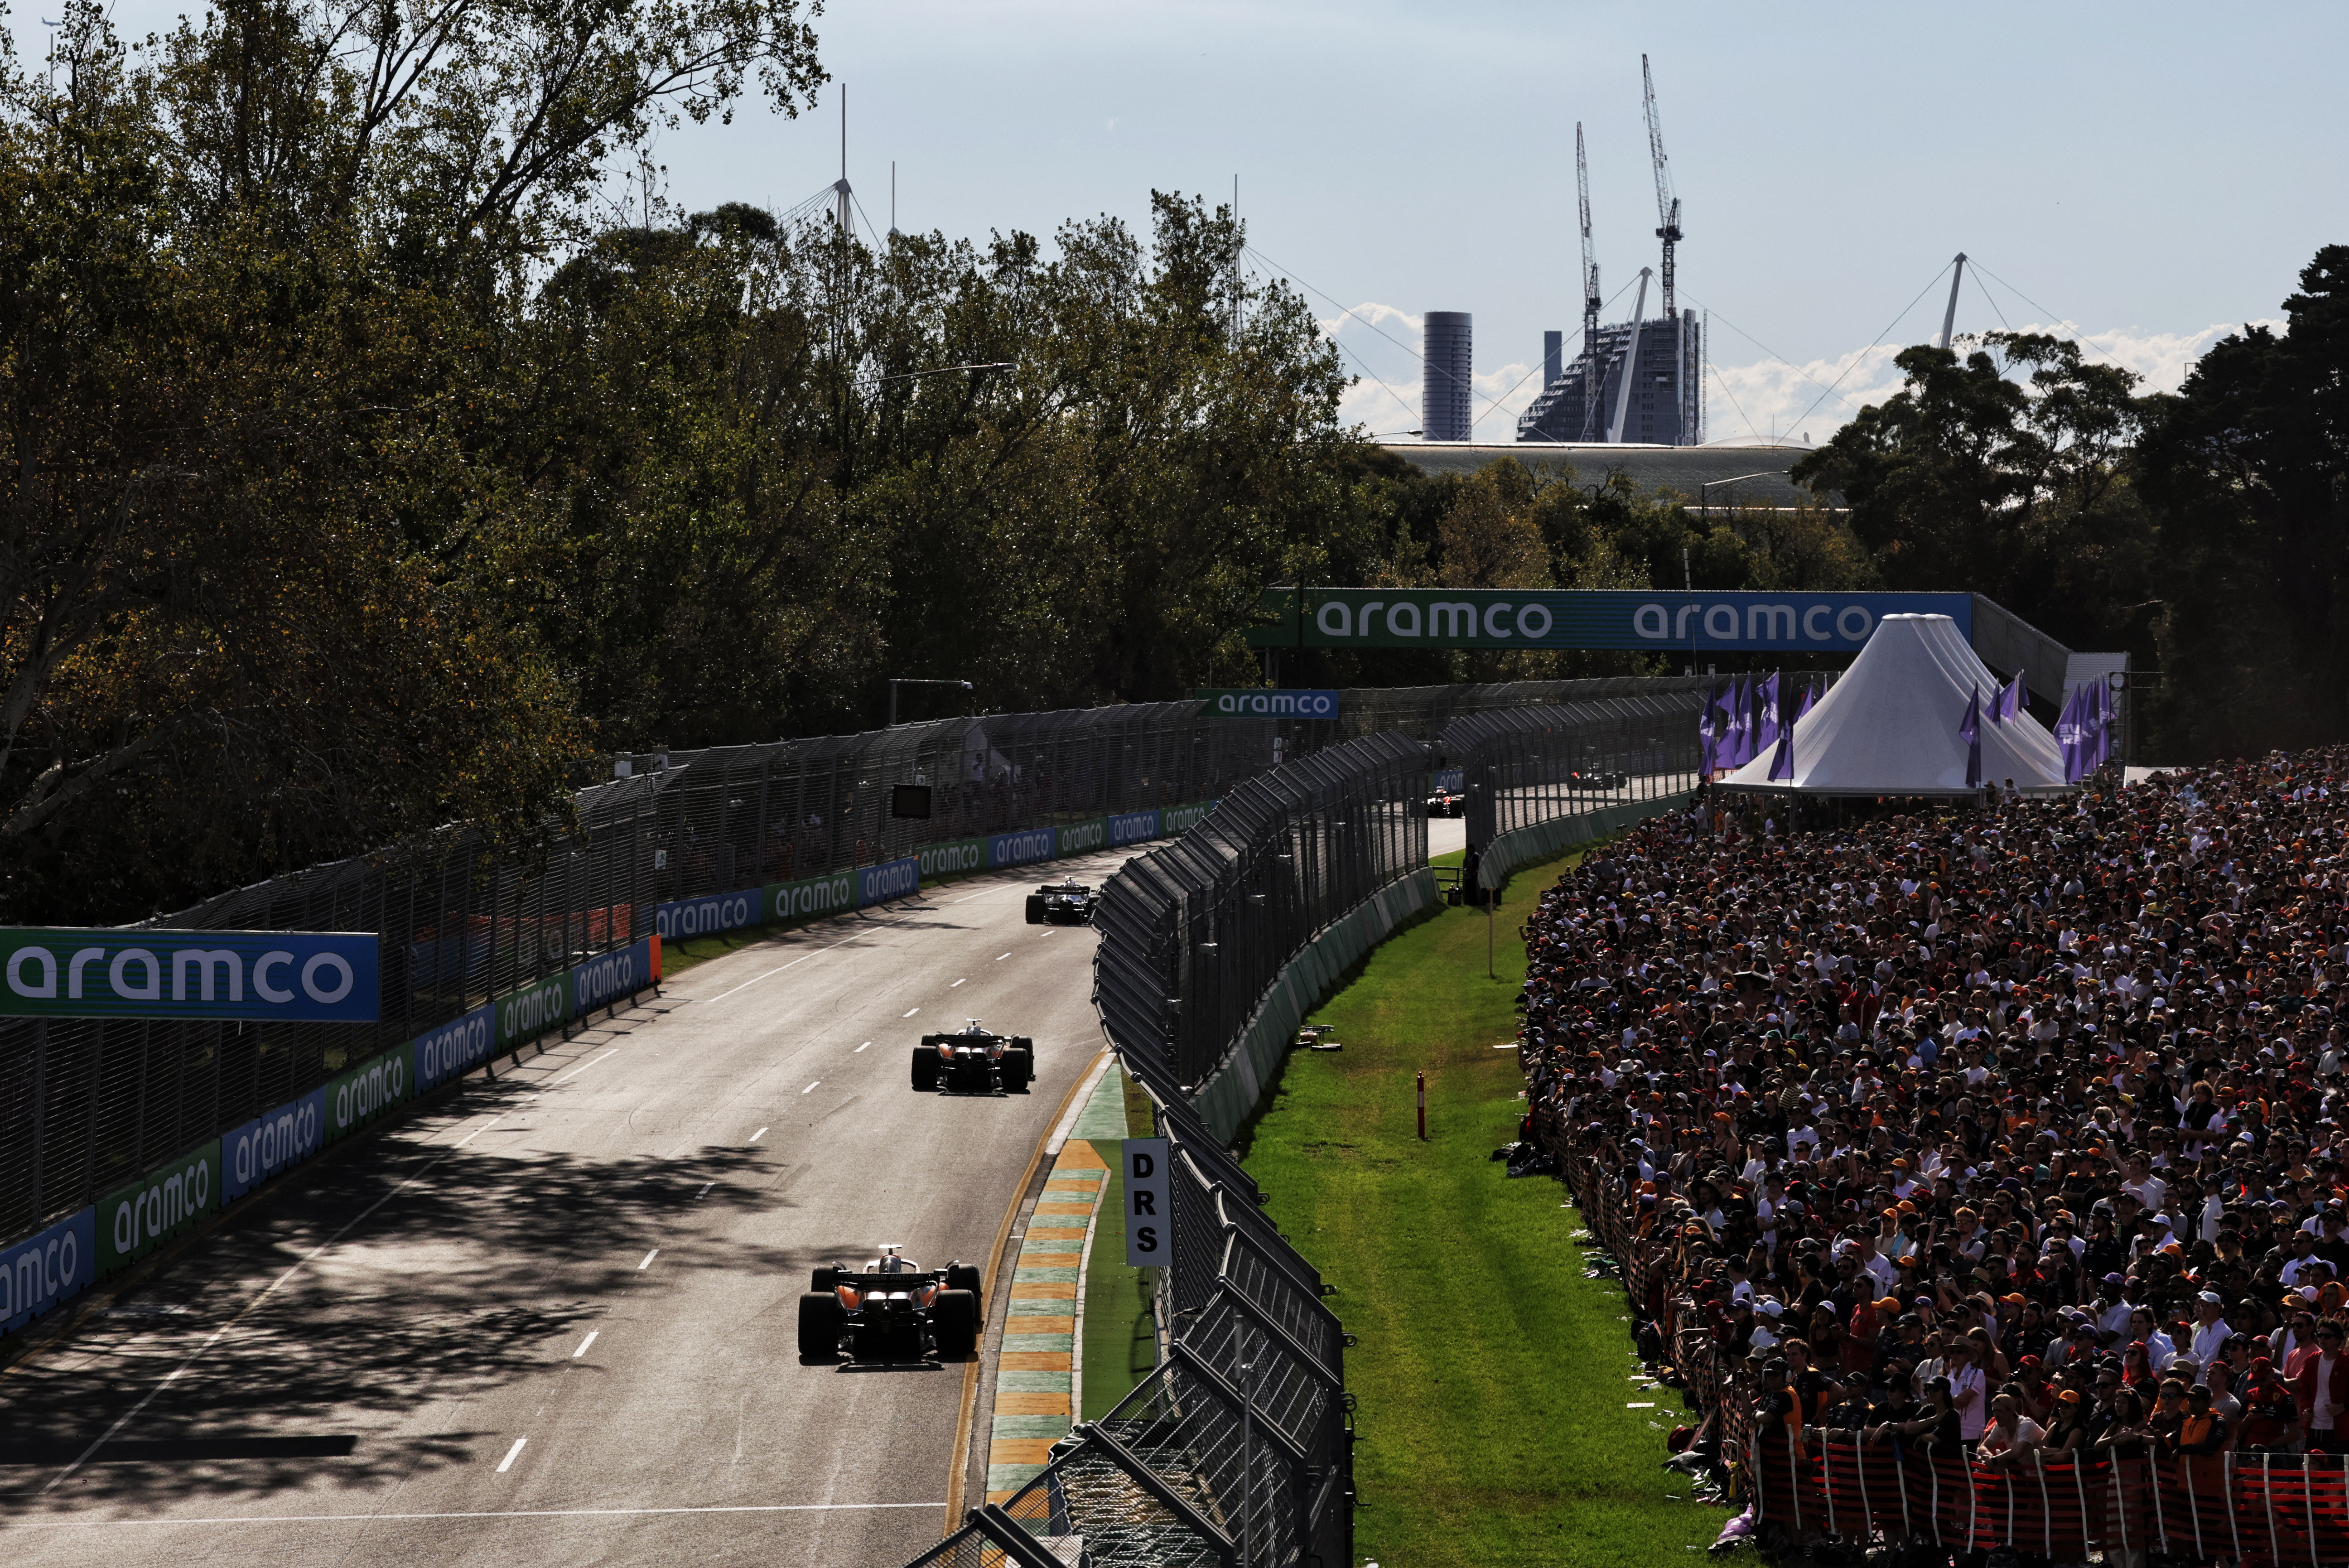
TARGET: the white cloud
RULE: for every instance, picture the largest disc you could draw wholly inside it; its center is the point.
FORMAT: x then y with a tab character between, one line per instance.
1764	397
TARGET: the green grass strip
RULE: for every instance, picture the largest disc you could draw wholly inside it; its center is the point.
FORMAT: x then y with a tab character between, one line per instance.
1492	1376
1121	1345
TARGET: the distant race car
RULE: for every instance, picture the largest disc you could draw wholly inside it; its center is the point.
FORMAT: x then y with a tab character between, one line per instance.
893	1309
1596	779
1447	802
1067	902
975	1061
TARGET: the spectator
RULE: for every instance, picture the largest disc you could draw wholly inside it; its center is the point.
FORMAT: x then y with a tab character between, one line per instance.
2009	1435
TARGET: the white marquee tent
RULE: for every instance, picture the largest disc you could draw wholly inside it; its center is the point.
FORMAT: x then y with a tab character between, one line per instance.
1890	724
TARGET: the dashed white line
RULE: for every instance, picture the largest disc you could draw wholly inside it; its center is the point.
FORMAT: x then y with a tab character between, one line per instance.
585	1342
1001	957
648	1260
800	959
585	1066
909	1012
757	1136
705	1191
860	1047
958	982
512	1454
810	1088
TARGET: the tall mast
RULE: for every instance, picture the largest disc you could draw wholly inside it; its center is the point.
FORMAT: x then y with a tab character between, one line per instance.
1950	316
840	186
1668	206
1589	292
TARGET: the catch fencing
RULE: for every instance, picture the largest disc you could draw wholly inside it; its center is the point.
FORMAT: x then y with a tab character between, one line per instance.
117	1134
1236	1449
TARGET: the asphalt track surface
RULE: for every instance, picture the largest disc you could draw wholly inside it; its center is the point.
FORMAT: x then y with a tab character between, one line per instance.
550	1320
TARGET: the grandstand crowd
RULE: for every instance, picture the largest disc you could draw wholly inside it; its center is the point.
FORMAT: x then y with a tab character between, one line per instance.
1999	1133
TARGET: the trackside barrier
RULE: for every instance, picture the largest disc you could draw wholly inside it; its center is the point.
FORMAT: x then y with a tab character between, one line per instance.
2260	1511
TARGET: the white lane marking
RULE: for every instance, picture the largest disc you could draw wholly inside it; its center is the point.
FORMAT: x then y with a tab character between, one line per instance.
484	1127
585	1066
648	1260
512	1454
810	1088
958	982
585	1342
757	1136
802	958
1001	957
909	1012
209	1340
483	1514
705	1190
860	1047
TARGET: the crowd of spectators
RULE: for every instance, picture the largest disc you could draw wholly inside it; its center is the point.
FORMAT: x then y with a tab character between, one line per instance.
2005	1132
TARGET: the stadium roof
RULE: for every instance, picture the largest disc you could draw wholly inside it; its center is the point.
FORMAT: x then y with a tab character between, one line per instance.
1681	468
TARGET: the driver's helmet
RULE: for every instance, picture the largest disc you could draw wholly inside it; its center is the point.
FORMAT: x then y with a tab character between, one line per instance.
892	1264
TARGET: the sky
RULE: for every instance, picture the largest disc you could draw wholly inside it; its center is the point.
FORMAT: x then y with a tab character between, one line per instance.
2148	176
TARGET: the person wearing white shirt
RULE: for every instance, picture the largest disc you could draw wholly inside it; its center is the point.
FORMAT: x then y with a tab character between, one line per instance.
2114	1318
2159	1348
2211	1331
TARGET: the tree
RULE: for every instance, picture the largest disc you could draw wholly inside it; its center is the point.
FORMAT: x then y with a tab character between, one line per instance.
2247	470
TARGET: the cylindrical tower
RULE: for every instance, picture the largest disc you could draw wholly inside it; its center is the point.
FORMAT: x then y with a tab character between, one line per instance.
1444	403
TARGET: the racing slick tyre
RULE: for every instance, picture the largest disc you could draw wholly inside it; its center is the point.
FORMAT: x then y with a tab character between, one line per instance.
963	1277
1035	908
925	1067
821	1317
955	1317
1018	1071
823	1278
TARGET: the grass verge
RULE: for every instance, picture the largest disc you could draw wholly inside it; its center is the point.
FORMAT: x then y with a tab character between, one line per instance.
1121	1342
1493	1377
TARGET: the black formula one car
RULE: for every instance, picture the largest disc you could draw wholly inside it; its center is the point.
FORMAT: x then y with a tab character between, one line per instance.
975	1061
893	1309
1447	802
1067	902
1600	779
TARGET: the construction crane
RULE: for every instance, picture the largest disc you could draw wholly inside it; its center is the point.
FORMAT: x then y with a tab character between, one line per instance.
1668	206
1590	294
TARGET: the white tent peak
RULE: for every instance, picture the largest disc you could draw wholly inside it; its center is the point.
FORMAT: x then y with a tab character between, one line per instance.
1890	725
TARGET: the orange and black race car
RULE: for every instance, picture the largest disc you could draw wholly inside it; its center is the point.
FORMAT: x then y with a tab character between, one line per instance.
976	1062
893	1309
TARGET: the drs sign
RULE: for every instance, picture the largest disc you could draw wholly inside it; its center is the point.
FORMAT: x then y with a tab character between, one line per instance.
311	977
1149	1223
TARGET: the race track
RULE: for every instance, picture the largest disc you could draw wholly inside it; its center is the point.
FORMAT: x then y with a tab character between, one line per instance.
550	1320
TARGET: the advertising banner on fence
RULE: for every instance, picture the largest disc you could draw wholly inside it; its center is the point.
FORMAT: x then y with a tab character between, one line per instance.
890	879
533	1009
1568	617
1080	838
1024	848
131	1221
951	858
285	1137
457	1047
48	1268
1254	703
809	897
273	976
1175	821
607	977
356	1097
707	915
1133	828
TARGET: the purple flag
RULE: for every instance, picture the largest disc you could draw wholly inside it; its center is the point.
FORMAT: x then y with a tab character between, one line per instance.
1766	715
1708	732
2072	735
1782	761
2099	717
1810	695
2014	699
1970	733
1740	725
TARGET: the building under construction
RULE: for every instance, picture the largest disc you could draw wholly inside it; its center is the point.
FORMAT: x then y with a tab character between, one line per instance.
1640	380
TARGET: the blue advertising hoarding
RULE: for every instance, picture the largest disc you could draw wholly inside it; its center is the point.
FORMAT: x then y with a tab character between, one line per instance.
707	915
607	977
287	977
455	1048
1024	848
48	1267
1596	619
279	1141
890	879
1133	828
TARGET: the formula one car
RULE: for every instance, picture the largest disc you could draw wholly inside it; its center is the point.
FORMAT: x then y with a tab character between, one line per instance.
893	1309
1447	802
1067	902
1600	779
975	1061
